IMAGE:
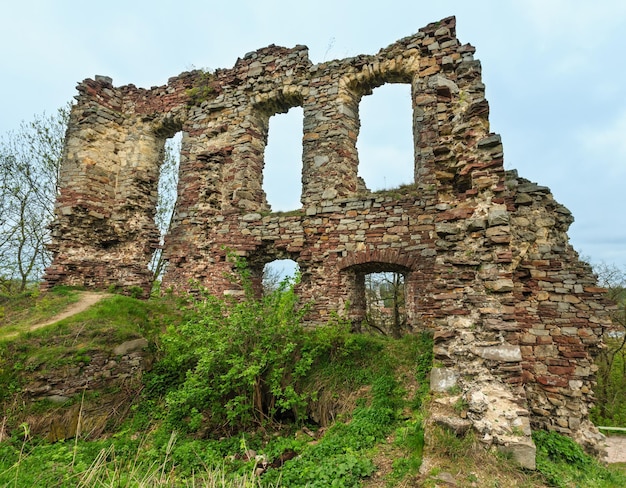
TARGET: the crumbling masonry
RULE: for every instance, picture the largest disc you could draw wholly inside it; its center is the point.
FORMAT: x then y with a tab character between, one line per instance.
485	254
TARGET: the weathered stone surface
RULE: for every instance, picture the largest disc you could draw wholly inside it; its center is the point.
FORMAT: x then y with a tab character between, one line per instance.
477	401
104	369
130	346
474	242
453	423
57	399
446	478
442	379
522	452
504	352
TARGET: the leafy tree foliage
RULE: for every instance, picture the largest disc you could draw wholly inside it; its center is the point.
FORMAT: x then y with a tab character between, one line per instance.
30	159
30	162
385	302
243	359
611	376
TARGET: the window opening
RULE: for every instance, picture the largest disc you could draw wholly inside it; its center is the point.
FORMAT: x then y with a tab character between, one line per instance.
167	194
277	272
385	141
282	175
385	303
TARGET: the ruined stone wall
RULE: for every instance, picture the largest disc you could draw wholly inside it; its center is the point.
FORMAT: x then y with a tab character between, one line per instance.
485	254
560	309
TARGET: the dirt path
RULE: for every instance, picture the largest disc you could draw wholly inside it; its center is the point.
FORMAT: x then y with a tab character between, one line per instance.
616	448
86	300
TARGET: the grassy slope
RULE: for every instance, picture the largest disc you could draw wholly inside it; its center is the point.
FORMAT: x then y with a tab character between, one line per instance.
372	399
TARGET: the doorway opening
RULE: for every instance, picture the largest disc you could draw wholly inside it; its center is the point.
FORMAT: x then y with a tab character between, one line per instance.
385	302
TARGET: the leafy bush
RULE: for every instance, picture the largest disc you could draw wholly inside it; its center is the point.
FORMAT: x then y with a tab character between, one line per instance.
563	463
244	361
340	458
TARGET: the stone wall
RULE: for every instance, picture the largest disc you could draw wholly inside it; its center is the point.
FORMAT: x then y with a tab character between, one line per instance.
485	254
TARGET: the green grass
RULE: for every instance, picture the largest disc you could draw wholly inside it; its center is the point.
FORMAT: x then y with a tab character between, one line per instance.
105	464
564	464
20	312
74	340
353	404
369	403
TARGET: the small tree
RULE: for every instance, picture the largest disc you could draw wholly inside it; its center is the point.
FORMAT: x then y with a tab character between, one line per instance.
611	362
244	359
30	160
385	302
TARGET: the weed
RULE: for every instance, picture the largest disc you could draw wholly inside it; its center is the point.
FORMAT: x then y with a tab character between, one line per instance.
204	89
563	463
460	405
135	291
448	444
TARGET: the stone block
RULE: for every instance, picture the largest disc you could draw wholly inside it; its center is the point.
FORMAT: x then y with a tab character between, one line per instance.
523	452
442	379
504	352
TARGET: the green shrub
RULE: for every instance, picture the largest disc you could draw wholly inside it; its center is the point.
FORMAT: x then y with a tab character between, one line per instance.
244	361
563	463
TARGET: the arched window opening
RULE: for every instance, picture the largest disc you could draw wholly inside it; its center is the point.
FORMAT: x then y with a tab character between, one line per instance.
282	174
167	194
385	302
385	142
277	272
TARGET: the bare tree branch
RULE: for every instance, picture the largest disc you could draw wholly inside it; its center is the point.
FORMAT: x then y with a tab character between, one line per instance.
30	160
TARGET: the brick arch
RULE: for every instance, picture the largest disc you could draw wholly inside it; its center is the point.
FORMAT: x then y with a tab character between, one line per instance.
373	73
279	101
168	125
374	257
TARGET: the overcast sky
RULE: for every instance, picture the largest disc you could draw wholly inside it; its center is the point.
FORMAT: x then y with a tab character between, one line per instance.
554	71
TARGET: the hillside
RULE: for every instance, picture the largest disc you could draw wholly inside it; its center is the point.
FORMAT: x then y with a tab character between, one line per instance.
172	392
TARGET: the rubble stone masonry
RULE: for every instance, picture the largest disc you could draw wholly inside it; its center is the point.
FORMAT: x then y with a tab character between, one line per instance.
485	254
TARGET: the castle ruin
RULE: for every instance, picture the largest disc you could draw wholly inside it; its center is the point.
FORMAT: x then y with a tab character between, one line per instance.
517	317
